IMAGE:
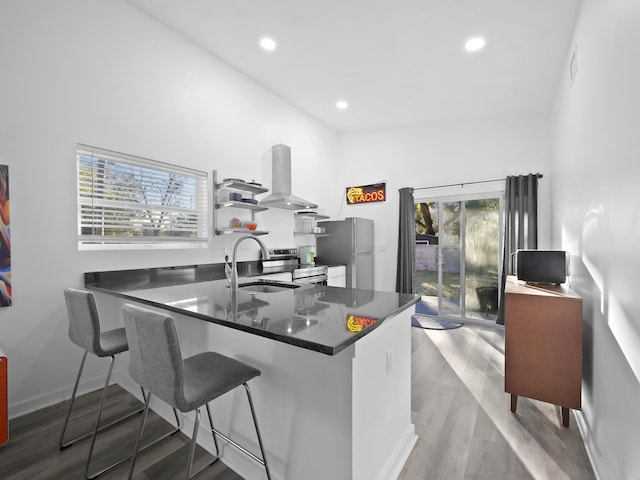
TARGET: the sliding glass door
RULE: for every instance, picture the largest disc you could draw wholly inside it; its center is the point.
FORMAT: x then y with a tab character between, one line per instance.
457	256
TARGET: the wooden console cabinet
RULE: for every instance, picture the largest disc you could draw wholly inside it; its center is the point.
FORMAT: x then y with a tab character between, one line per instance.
543	344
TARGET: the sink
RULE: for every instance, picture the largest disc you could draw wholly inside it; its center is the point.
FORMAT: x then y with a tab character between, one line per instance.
267	286
258	288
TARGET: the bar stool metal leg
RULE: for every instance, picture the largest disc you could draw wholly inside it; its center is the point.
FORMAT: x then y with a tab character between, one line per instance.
139	437
98	428
124	459
62	444
95	430
262	461
213	432
192	447
73	398
255	422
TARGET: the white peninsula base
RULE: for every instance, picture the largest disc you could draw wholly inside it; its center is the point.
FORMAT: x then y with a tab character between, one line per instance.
340	417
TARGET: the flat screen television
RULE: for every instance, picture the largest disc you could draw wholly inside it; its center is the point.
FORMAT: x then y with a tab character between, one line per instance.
541	266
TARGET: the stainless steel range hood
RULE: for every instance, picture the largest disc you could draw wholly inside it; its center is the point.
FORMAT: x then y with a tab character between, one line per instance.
281	182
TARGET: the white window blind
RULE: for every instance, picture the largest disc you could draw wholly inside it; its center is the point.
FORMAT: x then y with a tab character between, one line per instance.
123	199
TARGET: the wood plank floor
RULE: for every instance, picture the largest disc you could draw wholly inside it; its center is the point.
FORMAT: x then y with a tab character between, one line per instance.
461	413
32	450
463	418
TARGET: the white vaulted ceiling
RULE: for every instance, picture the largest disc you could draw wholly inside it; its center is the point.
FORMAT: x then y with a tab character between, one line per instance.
397	63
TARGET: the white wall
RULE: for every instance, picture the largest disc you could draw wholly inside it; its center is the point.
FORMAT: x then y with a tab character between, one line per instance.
104	74
596	216
439	155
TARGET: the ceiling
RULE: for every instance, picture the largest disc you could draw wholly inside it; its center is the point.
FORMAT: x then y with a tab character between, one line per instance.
397	63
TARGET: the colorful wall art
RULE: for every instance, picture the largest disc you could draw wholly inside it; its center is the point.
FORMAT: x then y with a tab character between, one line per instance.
5	239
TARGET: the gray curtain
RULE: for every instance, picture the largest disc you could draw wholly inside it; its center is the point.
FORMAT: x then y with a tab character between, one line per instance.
521	224
406	269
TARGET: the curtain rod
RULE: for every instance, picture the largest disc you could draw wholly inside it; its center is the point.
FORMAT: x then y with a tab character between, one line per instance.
466	183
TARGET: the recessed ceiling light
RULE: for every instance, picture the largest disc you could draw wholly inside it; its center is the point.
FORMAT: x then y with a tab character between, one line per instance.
268	44
474	44
342	105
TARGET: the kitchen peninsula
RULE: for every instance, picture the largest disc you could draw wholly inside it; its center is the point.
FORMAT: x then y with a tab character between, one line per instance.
333	399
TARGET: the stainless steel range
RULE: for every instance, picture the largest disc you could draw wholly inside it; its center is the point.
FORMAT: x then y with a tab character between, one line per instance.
313	274
287	260
280	260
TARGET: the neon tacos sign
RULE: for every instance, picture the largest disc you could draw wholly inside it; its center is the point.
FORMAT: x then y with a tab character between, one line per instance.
376	192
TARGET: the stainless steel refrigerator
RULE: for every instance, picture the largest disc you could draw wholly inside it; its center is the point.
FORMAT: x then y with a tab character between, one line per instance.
349	242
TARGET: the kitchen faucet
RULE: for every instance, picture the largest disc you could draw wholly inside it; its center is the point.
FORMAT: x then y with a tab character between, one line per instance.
233	279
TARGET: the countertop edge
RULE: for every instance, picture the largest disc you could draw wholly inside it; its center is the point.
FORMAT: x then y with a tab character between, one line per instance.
111	289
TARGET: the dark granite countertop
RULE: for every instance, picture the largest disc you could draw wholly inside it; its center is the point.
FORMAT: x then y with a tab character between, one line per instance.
319	318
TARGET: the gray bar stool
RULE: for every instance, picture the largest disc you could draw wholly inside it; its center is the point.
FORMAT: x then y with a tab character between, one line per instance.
84	331
156	363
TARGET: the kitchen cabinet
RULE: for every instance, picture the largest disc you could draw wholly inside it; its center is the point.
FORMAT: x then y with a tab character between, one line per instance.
543	344
337	276
222	202
306	223
321	381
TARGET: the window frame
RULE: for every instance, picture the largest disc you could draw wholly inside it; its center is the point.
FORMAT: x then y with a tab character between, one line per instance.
175	197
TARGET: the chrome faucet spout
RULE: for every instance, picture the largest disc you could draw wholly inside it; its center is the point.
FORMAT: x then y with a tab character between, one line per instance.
233	279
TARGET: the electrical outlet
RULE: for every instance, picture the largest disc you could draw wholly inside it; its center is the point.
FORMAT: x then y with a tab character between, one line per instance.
389	362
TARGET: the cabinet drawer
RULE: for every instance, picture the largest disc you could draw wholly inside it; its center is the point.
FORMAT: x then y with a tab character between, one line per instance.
3	380
4	422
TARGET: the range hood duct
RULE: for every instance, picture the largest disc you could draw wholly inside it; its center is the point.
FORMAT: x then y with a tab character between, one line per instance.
281	182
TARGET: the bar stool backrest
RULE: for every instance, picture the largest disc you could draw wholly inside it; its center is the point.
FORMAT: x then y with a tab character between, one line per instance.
155	360
84	323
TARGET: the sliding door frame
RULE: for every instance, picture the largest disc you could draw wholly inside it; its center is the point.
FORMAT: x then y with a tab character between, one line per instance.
461	194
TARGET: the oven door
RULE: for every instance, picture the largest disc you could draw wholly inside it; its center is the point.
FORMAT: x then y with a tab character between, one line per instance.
315	279
310	274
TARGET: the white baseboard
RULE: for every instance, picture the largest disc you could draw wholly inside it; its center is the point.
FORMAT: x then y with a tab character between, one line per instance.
37	403
400	455
587	436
